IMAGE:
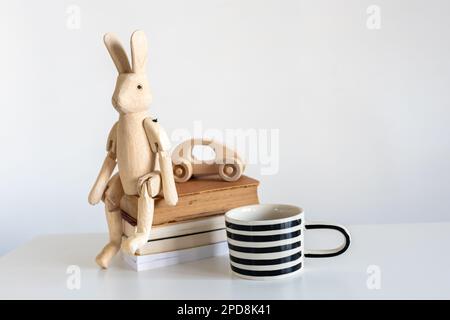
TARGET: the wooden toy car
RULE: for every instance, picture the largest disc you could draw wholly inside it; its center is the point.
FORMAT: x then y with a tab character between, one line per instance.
226	163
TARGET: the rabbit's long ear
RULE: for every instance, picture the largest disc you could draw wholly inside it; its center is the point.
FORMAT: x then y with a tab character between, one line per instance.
139	51
117	53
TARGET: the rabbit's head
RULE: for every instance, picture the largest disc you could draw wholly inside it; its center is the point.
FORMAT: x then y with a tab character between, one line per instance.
132	92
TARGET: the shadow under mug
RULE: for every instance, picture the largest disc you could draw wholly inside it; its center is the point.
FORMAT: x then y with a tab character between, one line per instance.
266	241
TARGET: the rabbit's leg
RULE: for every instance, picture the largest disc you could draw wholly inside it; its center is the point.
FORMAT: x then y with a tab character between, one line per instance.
149	186
112	196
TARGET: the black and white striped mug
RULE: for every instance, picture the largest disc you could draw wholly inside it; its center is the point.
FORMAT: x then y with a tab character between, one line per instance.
266	241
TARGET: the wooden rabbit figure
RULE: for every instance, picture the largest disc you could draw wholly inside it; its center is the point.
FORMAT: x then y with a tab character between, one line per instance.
138	145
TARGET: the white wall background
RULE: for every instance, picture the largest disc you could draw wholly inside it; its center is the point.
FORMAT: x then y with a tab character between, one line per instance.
363	114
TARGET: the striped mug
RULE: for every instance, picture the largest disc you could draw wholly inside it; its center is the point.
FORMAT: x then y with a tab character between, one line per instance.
265	241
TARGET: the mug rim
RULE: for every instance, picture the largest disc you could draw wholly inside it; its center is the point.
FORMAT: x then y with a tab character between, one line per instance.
235	220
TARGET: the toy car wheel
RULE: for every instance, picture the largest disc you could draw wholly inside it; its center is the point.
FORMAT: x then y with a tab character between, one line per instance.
231	170
182	171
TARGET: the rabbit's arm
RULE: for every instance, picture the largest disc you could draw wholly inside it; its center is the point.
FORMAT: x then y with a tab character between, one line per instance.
160	144
107	169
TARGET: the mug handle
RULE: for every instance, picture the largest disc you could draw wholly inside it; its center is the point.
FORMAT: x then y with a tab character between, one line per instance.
329	252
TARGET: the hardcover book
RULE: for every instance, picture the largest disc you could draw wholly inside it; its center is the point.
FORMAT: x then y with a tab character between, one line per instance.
198	197
140	263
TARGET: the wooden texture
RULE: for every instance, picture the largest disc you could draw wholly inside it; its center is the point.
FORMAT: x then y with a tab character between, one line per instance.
136	153
111	197
199	197
117	53
145	210
160	144
101	182
227	162
135	159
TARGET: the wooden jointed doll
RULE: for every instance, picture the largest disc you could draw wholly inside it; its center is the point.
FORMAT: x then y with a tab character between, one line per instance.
140	148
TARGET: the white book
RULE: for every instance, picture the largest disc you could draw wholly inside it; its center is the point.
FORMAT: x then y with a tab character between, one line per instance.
179	228
147	262
181	235
182	242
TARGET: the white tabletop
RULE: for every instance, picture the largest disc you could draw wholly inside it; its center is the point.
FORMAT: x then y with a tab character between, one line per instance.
383	262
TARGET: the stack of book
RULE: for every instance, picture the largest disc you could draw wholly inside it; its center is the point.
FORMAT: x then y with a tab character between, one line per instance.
193	229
